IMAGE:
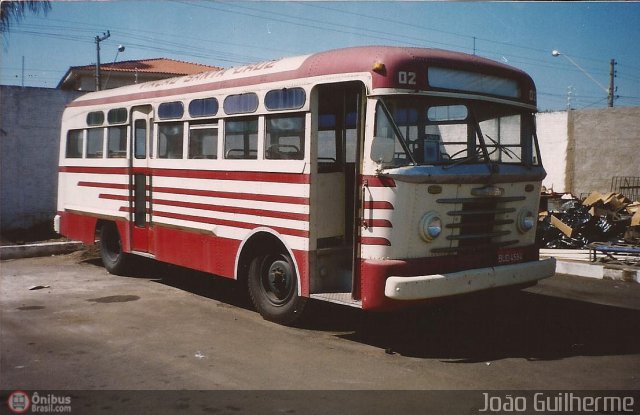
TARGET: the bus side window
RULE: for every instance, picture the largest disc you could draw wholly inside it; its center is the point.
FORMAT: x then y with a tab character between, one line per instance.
140	139
170	138
95	143
117	142
74	144
203	141
328	158
241	139
351	136
284	137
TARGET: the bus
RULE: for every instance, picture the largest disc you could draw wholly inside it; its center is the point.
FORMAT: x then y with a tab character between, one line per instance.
373	177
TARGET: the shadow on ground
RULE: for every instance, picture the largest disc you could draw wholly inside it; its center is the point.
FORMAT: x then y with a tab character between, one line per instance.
475	328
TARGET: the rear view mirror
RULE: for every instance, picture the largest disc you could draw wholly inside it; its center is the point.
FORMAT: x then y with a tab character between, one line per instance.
383	149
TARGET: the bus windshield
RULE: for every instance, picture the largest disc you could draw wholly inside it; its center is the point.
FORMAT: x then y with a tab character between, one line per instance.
427	131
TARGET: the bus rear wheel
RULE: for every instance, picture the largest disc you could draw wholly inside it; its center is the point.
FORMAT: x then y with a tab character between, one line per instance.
273	287
115	261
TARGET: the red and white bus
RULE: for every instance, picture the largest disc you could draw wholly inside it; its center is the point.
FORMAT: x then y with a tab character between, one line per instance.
375	177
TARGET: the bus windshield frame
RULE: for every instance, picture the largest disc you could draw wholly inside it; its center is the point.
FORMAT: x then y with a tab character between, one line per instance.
423	130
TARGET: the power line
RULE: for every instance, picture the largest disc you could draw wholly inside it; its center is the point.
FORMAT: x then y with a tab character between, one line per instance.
164	34
280	17
376	34
431	29
594	103
183	45
235	58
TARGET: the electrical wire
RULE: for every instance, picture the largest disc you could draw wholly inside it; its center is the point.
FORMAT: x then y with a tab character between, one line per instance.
187	46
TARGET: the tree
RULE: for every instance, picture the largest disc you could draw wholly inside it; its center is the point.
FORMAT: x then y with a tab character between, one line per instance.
14	11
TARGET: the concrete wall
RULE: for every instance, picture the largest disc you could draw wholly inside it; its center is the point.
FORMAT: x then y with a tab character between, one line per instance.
29	135
553	141
602	143
582	150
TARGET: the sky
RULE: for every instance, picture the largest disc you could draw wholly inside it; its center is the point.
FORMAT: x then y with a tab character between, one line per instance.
232	33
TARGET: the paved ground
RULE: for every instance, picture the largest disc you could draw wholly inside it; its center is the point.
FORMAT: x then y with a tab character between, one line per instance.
165	327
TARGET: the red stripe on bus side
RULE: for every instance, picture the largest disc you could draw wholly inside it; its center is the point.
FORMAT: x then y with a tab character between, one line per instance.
113	197
379	223
211	193
378	181
93	170
378	205
104	185
230	223
232	195
370	240
233	209
288	178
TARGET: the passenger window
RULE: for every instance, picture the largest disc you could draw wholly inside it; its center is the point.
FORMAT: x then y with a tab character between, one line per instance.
241	103
241	139
337	128
74	144
203	142
169	110
203	107
327	139
95	118
284	138
285	99
117	142
95	141
351	136
170	138
117	116
140	134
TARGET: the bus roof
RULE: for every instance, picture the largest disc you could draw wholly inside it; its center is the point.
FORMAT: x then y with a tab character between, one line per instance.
339	61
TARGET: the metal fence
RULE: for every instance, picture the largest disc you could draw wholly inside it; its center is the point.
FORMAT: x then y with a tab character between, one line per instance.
626	185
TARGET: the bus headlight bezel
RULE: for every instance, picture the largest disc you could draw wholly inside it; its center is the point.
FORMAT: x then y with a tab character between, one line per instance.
430	226
526	221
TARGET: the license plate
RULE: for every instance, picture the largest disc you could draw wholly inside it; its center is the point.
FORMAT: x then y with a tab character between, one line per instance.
510	256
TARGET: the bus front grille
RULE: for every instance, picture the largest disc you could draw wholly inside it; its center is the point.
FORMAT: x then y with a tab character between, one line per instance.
477	223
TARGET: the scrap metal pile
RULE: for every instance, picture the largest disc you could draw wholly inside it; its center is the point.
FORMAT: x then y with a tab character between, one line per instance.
609	217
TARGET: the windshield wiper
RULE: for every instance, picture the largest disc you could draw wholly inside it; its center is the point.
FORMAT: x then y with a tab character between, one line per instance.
475	156
504	148
492	166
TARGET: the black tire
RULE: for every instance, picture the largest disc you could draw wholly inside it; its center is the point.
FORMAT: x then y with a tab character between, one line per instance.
113	259
273	288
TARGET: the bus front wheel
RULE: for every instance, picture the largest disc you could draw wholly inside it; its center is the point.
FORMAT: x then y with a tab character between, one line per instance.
114	260
273	287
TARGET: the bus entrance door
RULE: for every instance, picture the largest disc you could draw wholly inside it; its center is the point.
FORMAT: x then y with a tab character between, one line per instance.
140	180
335	186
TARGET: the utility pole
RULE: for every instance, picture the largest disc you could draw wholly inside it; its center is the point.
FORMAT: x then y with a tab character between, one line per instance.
612	75
98	40
570	91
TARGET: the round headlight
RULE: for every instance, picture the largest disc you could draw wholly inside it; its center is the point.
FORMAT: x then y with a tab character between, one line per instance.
526	221
430	226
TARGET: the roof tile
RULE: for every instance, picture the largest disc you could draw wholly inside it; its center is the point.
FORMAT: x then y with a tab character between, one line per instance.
158	65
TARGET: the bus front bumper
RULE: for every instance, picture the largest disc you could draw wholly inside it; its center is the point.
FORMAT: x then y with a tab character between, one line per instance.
462	282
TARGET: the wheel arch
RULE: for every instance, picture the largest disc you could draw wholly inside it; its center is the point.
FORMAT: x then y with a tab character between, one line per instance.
120	227
262	240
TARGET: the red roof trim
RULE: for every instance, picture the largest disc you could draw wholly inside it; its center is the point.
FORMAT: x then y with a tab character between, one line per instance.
349	60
